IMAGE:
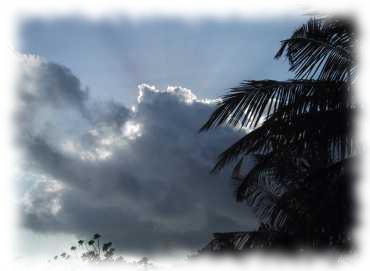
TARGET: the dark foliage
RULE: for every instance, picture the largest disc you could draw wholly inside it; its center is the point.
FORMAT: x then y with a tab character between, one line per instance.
300	136
92	253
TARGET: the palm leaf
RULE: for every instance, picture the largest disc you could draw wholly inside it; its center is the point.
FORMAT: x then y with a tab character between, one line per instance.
300	135
330	130
320	49
324	199
246	105
262	174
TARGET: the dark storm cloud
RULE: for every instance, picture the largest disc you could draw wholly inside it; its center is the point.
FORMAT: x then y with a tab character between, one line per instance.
56	86
139	177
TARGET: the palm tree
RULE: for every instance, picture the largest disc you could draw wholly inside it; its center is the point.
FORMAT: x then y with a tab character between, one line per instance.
299	137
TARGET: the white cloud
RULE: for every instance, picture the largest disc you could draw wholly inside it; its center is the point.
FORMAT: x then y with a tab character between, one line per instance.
131	130
148	93
140	177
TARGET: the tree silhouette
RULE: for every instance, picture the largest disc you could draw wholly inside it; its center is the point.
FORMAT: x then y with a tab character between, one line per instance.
300	140
90	252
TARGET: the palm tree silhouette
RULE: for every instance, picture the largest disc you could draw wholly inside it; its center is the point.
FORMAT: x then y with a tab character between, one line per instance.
300	140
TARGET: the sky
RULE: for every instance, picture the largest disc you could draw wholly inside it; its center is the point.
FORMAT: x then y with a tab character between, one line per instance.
108	116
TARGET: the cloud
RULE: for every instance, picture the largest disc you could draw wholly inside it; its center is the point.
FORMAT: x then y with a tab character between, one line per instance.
139	177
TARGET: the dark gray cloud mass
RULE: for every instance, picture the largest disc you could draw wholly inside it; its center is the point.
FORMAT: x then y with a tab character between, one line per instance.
139	176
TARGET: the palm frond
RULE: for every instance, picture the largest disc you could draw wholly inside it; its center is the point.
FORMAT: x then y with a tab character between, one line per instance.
300	135
324	199
246	105
321	48
312	201
322	97
330	130
262	174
